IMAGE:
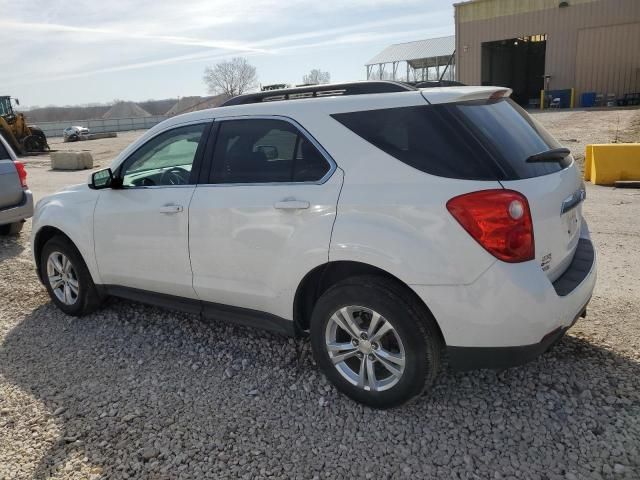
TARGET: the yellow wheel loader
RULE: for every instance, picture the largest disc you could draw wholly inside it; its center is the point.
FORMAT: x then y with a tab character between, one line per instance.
13	127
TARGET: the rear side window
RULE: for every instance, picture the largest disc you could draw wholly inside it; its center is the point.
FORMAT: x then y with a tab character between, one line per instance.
485	140
265	151
4	155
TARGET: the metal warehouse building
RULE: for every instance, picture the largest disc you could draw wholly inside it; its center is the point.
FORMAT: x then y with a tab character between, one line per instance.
530	45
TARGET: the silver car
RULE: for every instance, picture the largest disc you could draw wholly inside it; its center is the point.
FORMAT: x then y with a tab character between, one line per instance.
16	200
73	134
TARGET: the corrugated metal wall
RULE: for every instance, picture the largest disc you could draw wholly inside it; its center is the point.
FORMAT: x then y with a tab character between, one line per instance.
565	28
485	9
608	59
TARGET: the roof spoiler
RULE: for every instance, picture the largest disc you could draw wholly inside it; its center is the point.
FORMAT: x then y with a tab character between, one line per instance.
465	94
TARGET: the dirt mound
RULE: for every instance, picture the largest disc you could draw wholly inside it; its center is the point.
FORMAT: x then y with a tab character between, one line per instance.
192	104
126	110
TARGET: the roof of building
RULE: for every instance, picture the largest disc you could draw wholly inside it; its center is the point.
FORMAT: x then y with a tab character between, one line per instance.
420	49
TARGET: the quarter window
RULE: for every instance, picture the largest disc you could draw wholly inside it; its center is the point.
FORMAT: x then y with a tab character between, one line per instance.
474	140
164	160
265	151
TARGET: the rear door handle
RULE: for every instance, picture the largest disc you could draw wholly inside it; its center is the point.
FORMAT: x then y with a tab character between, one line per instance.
292	205
171	209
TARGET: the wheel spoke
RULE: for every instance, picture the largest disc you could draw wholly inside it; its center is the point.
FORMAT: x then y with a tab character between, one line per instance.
344	356
382	331
345	322
373	325
67	294
390	357
395	371
74	288
362	376
55	281
371	374
57	264
65	264
340	347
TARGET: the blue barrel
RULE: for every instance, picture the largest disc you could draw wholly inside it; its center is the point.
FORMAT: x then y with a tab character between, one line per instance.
588	99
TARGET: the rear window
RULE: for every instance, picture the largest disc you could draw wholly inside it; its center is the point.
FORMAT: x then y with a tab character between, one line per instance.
479	140
4	155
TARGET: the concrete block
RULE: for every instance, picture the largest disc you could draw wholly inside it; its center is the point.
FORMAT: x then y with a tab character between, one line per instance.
605	164
71	160
97	136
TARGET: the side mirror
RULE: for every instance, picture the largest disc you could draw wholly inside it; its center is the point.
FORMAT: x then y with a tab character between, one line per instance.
101	179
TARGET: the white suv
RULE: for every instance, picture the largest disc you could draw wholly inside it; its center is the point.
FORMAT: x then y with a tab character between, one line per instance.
389	223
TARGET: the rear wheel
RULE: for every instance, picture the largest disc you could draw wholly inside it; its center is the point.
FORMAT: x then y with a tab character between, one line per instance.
67	278
11	229
374	342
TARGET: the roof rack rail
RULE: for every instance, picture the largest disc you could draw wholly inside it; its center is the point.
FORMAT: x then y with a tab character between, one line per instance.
313	91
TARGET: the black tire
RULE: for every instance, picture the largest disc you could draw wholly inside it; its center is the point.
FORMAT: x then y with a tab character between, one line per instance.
40	139
414	325
88	298
11	229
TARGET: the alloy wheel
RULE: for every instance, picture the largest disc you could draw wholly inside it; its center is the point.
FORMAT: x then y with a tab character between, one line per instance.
365	348
63	278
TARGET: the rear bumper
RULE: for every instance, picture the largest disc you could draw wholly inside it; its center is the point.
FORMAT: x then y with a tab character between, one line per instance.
512	312
473	358
18	212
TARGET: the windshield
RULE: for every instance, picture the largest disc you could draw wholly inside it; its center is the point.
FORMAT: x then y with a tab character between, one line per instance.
5	106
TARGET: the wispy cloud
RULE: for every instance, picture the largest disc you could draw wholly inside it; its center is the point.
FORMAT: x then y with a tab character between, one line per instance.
63	41
93	31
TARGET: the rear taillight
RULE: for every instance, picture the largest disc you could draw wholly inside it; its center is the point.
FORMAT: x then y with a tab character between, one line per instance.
499	220
22	173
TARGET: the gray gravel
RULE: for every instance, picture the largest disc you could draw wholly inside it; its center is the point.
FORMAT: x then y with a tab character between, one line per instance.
138	392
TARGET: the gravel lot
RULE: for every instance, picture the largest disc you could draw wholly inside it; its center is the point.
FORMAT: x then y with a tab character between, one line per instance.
137	392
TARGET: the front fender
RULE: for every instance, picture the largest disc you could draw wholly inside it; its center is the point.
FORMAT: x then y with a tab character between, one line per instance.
70	212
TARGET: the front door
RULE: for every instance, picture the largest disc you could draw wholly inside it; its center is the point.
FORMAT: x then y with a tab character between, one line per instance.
264	218
141	229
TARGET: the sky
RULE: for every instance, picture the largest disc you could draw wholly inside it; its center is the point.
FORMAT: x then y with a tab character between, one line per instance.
95	51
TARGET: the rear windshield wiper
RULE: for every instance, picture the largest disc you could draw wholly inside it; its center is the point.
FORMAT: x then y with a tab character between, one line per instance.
553	155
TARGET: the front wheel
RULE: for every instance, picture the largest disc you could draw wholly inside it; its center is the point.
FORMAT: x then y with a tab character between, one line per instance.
67	278
374	341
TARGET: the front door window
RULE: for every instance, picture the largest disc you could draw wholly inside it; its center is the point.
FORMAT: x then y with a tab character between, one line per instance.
164	160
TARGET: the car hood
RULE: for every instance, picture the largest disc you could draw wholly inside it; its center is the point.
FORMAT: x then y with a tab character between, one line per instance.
74	188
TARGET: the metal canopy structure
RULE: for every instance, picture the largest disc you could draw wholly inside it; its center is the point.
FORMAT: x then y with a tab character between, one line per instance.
430	59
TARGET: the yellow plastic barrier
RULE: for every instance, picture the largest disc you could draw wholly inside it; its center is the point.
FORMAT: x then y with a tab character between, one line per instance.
607	163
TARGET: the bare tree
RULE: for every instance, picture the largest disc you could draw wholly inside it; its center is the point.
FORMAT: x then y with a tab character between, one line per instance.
316	77
233	77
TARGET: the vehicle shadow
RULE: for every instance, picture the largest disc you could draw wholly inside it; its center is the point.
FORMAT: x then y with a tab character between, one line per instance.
141	393
10	246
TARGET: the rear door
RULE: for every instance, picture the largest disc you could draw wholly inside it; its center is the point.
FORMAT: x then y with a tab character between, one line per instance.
263	217
11	193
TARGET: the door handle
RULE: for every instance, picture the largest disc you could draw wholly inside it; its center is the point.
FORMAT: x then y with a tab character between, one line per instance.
171	209
292	205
